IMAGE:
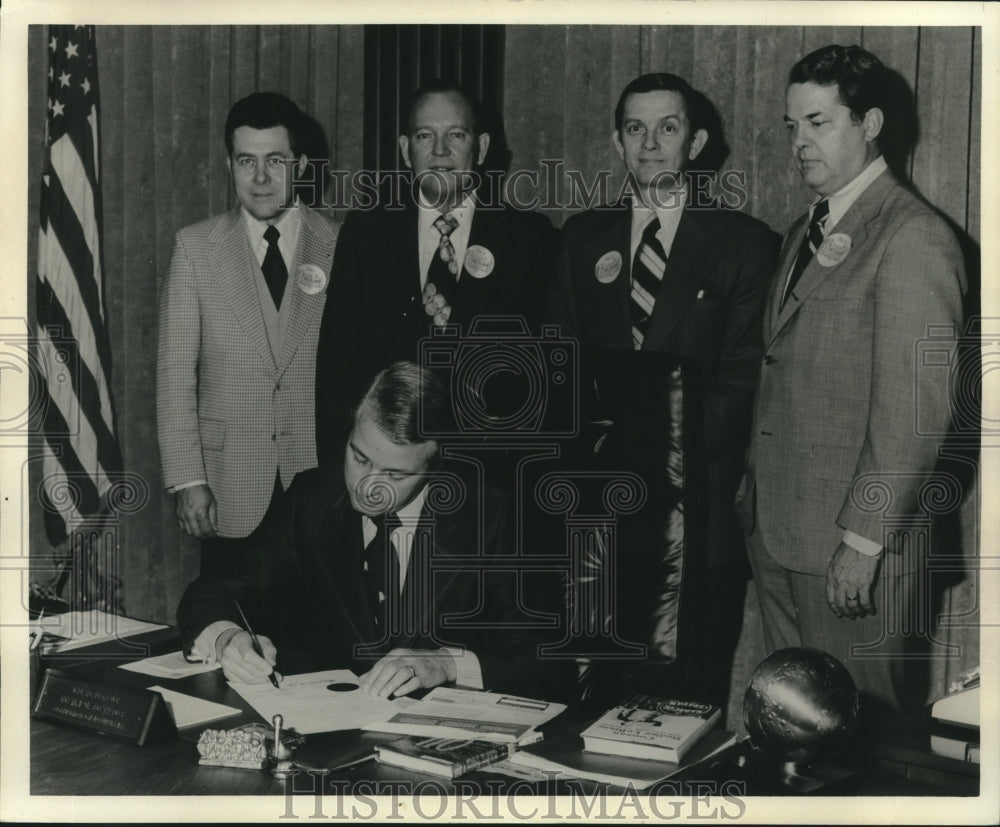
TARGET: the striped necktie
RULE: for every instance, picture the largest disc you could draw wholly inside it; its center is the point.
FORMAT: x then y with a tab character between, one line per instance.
647	275
810	244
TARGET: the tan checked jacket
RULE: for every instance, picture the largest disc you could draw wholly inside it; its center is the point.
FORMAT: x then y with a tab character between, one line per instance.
230	411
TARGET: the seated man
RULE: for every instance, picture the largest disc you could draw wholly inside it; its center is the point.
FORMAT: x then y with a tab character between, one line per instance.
429	607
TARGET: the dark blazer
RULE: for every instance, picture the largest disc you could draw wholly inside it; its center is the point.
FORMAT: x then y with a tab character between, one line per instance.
302	585
709	309
375	315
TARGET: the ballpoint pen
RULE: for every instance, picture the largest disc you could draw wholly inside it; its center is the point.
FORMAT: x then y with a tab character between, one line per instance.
255	642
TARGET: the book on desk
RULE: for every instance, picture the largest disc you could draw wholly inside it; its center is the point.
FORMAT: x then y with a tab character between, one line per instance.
644	726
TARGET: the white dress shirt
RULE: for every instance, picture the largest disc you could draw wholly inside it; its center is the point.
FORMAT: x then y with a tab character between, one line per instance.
429	237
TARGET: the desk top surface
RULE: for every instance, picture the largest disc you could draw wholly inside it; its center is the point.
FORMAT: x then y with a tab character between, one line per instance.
67	761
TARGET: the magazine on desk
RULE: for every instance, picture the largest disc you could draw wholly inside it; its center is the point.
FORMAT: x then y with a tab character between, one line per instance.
468	713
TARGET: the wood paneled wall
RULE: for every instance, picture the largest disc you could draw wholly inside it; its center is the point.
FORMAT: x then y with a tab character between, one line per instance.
562	83
165	94
166	91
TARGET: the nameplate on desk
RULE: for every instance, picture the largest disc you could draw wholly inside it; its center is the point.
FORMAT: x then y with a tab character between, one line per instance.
138	716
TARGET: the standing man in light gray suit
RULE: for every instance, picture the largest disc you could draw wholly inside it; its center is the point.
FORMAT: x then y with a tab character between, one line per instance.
239	318
860	280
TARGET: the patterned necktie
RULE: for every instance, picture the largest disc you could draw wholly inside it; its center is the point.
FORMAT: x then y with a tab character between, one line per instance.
381	566
810	244
647	275
443	269
275	272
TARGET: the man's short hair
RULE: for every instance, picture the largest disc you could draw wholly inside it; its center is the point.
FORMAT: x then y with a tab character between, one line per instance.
263	110
700	112
860	77
442	87
407	402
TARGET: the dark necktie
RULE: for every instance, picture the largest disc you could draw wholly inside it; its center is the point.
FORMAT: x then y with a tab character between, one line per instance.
443	269
647	275
275	272
810	244
381	567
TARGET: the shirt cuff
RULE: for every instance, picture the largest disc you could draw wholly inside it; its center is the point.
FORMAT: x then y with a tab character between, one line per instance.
467	669
173	489
203	650
862	545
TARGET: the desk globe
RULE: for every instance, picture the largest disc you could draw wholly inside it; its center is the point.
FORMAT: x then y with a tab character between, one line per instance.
801	705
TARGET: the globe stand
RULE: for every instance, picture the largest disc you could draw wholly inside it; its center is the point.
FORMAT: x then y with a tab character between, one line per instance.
800	776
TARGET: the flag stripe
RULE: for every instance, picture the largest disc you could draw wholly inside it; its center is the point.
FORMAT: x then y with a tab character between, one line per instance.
81	454
61	309
71	267
82	394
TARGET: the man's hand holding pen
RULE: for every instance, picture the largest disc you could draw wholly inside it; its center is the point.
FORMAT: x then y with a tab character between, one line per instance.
234	649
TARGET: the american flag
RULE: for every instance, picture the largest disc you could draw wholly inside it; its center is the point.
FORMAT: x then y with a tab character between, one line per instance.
81	455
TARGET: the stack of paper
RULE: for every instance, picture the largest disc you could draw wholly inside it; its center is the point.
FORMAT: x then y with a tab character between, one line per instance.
318	702
65	632
190	711
172	665
468	713
565	757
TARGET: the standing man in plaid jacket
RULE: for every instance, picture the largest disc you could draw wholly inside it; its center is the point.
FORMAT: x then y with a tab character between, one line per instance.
239	318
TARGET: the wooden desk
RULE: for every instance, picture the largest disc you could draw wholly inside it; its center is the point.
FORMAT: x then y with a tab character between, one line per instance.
70	762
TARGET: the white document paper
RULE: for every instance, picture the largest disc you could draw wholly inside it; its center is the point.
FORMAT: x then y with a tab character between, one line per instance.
87	628
468	713
171	666
307	705
189	710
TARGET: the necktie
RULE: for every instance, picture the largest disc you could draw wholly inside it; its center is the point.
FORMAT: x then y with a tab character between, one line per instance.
444	265
810	244
647	275
275	272
381	567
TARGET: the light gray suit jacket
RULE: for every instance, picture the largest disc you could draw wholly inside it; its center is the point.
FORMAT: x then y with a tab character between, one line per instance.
848	416
229	410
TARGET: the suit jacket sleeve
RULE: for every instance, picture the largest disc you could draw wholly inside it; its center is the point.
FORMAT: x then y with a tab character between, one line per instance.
730	391
336	352
177	372
920	281
254	563
561	305
509	657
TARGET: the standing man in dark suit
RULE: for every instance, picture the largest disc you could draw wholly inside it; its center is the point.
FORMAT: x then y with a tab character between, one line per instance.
239	319
663	274
388	564
446	255
836	447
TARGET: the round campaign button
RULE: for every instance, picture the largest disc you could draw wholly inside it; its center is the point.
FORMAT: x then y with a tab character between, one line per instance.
342	687
479	261
608	267
834	249
310	278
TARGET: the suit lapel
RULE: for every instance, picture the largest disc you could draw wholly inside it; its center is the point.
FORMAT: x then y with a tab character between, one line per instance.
315	247
231	264
854	225
340	562
691	259
787	256
435	537
613	296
